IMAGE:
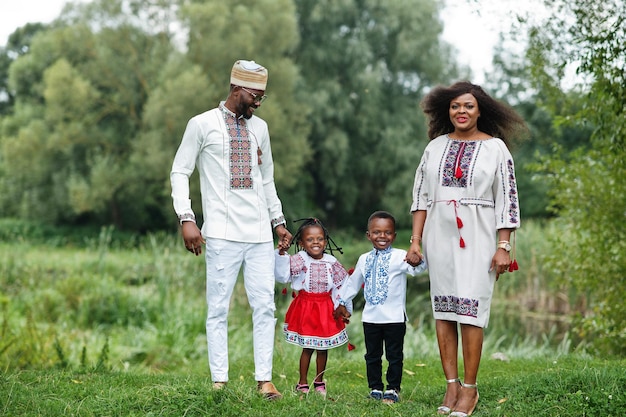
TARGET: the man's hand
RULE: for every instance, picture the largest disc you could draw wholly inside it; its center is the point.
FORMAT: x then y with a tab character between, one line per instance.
342	313
284	237
192	237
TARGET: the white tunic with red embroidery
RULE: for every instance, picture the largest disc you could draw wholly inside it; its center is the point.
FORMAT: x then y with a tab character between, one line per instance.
469	184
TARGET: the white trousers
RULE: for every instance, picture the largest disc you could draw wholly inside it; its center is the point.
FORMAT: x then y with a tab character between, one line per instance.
224	260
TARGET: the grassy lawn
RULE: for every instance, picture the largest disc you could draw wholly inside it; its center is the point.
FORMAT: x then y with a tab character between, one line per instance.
568	386
99	325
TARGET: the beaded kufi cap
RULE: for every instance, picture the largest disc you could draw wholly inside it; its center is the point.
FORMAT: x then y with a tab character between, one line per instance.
249	74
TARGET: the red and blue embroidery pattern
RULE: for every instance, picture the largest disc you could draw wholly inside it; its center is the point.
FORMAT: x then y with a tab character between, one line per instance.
240	153
452	304
513	207
457	163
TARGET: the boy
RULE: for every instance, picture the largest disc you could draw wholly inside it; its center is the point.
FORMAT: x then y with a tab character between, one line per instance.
383	270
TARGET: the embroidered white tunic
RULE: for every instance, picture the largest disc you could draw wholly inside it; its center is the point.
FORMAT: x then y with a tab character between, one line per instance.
316	276
384	273
485	199
239	199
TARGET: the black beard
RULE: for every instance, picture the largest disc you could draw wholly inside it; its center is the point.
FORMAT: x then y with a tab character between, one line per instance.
242	110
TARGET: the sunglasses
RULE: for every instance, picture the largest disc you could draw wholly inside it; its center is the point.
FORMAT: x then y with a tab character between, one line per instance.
255	97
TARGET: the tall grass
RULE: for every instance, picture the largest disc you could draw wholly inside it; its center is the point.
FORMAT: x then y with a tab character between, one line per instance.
63	298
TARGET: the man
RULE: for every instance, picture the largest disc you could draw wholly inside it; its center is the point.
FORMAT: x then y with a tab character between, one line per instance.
231	149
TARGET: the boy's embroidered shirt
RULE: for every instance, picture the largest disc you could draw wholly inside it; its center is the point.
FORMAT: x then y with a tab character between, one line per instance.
384	278
377	276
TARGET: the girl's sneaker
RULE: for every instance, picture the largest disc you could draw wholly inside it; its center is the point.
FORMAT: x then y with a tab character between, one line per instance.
303	388
320	388
376	394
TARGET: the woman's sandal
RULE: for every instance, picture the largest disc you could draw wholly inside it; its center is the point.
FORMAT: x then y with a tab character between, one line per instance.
468	413
444	409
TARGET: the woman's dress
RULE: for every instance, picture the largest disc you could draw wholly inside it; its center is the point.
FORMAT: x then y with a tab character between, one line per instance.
469	191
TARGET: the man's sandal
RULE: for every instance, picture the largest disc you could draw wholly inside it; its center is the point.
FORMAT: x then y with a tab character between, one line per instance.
444	409
457	413
268	390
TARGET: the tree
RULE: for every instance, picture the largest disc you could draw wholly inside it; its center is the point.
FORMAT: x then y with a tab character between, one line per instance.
365	65
80	96
103	95
587	186
265	31
18	45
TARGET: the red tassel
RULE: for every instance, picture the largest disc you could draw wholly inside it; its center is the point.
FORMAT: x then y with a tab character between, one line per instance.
461	242
284	291
351	347
458	173
350	271
293	294
459	223
513	266
363	285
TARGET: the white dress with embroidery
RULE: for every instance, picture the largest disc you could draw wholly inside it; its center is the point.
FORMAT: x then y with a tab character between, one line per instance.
470	184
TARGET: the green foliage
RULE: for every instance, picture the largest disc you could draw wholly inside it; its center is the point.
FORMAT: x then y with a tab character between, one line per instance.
587	187
265	31
365	65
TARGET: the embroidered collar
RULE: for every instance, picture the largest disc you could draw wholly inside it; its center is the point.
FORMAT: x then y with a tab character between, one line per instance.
227	112
382	251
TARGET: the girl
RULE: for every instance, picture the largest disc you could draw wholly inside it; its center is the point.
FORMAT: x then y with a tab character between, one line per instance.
309	322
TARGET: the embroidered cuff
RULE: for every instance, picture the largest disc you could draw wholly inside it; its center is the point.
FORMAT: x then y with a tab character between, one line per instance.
186	217
278	221
342	303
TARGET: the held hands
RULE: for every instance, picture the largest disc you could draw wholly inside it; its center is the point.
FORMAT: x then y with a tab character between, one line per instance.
192	237
414	254
284	238
342	313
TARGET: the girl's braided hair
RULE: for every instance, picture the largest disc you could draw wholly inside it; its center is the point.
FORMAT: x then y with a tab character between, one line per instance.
309	222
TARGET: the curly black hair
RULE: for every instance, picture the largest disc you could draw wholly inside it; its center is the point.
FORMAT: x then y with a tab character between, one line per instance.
496	118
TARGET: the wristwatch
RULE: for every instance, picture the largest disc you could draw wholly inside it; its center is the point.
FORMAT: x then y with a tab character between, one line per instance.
504	244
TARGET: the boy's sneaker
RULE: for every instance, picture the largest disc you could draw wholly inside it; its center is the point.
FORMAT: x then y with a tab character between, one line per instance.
376	394
391	396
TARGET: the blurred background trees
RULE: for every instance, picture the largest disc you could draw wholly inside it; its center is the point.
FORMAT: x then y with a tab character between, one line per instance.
586	179
93	106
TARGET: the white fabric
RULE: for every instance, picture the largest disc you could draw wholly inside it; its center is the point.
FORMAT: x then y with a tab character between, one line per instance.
302	278
241	215
224	259
393	308
486	200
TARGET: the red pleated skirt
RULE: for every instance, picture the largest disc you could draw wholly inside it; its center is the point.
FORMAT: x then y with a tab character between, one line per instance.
309	322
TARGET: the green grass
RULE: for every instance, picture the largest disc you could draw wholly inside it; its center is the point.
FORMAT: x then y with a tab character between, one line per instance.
572	386
103	324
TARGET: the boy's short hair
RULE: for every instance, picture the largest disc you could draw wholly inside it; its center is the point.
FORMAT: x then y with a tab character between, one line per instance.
381	214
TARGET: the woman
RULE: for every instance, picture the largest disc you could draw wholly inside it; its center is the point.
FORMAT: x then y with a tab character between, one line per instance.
465	207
